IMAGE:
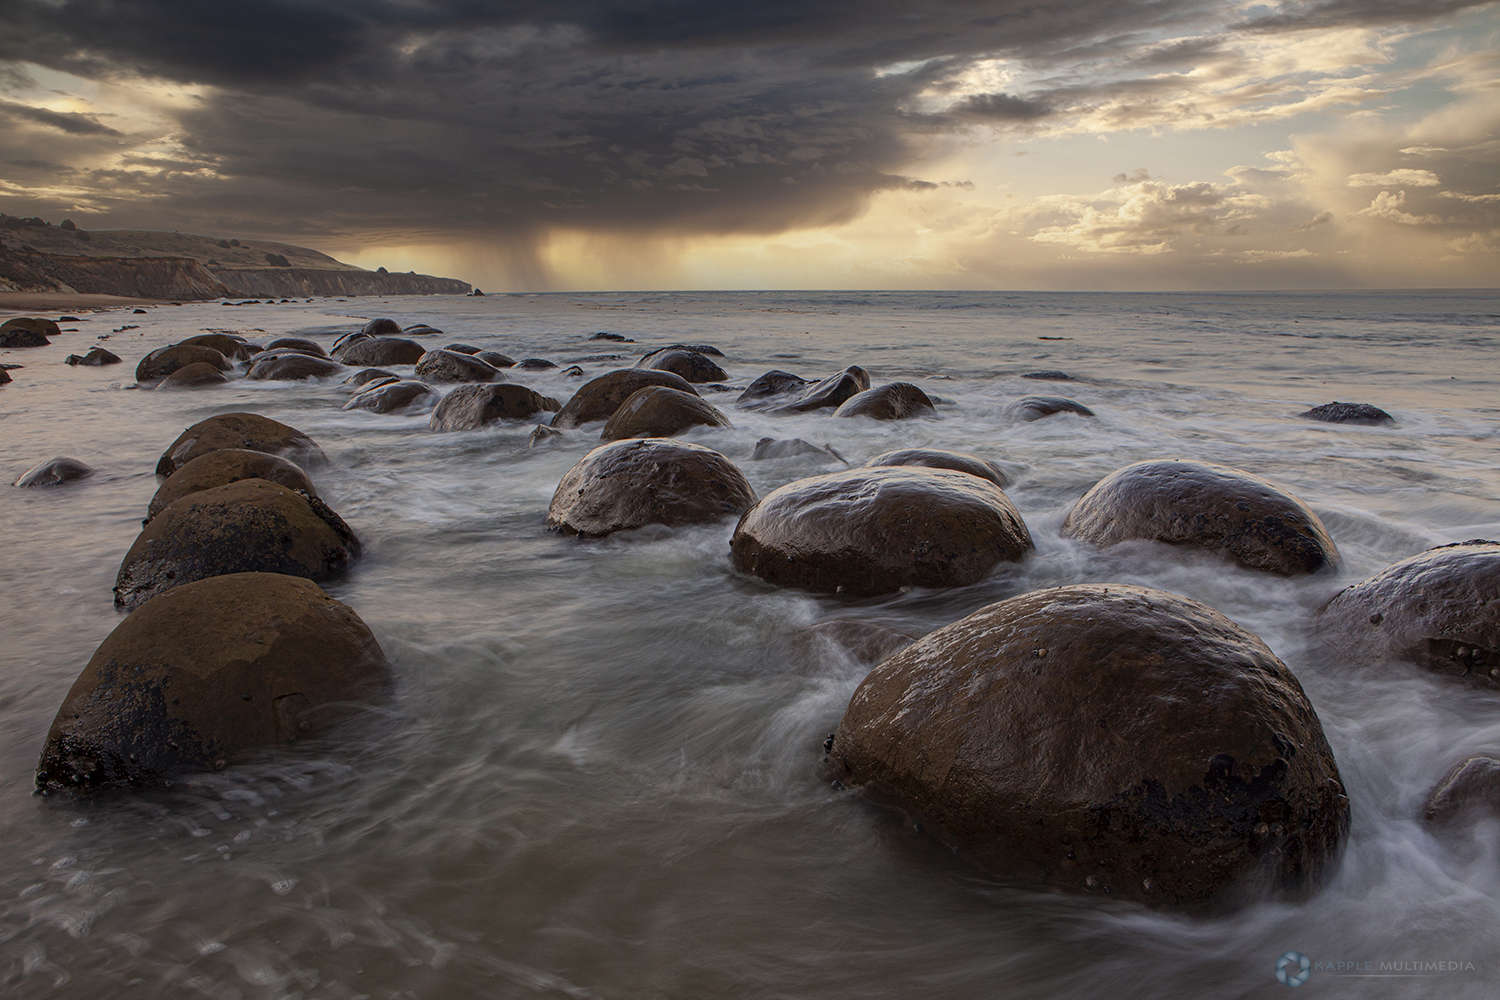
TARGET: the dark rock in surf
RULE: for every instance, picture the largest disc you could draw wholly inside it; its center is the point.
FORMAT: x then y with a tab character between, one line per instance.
573	371
772	383
496	358
200	675
873	531
598	399
470	407
96	357
1050	376
225	466
450	366
290	366
249	526
1030	408
382	327
165	360
1105	739
832	392
404	396
234	348
54	472
691	365
657	411
194	376
379	351
4	376
422	330
1471	788
770	448
864	642
1251	520
1439	609
616	337
1348	413
895	401
345	342
368	375
239	430
630	484
933	458
535	364
28	331
462	348
542	435
297	344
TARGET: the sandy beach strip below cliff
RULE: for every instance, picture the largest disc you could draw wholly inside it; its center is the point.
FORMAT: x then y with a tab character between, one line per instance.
58	301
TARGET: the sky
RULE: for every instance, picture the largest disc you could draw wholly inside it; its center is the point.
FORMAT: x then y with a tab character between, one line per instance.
679	144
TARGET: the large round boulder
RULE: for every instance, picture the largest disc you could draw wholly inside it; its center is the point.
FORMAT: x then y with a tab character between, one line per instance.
381	328
873	531
193	376
365	376
470	407
200	675
407	396
235	348
629	484
691	365
1439	609
54	472
599	398
225	466
165	360
1107	739
301	344
1254	522
291	366
657	411
250	526
377	351
934	458
239	430
830	393
27	331
450	366
894	401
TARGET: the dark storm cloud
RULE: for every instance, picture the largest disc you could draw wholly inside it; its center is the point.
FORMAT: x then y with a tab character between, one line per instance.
1299	16
1000	107
66	121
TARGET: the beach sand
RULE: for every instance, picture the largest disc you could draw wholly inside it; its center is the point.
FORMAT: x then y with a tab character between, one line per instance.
57	301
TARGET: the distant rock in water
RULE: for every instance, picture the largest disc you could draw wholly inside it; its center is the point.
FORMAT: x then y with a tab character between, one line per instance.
1348	413
1050	376
496	358
616	337
1036	407
690	364
368	375
769	448
25	331
535	364
469	349
399	396
235	348
239	430
165	360
54	472
194	376
450	366
381	327
297	344
96	357
630	484
378	351
291	366
830	393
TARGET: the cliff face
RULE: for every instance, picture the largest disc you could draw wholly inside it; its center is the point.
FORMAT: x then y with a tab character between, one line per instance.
138	277
292	281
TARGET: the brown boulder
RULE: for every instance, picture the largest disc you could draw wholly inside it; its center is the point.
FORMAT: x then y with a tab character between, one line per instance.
27	331
450	366
96	357
772	383
933	458
225	466
469	349
54	472
1471	787
239	430
1439	609
291	366
301	344
629	484
193	376
367	375
691	365
832	392
1349	413
599	398
4	376
165	360
383	351
381	328
249	526
472	406
1254	522
1108	739
496	359
231	347
657	411
895	401
1030	408
405	396
202	674
873	531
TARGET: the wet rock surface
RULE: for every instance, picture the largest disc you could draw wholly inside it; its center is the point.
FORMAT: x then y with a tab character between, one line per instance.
1251	520
934	458
1104	739
96	357
225	466
27	331
399	396
250	431
249	526
234	348
496	359
598	399
1348	413
1050	375
470	407
630	484
301	344
832	392
381	327
200	675
894	401
1470	789
1030	408
193	376
772	383
165	360
450	366
863	532
54	472
368	375
657	411
1439	609
690	364
771	448
377	351
865	642
535	364
291	366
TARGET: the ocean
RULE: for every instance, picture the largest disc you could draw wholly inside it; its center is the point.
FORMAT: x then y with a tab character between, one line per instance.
600	772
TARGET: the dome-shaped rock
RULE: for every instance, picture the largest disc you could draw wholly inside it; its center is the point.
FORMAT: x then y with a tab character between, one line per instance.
193	376
450	366
1471	787
27	331
1439	609
598	399
234	348
1255	522
629	484
832	392
691	365
496	359
250	526
301	344
225	466
381	328
205	672
535	364
1030	408
383	351
933	458
346	341
1348	413
873	531
165	360
54	472
291	366
1104	738
472	406
96	357
405	396
1050	375
367	375
772	383
239	430
657	411
894	401
469	349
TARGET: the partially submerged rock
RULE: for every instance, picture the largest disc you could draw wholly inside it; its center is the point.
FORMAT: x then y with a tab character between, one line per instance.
470	407
96	357
225	466
598	399
1470	788
382	327
496	359
894	401
406	396
1348	413
367	375
830	393
769	448
193	376
165	360
1050	375
934	458
1030	408
772	383
301	344
54	472
202	674
450	366
691	365
657	411
239	430
291	366
863	532
630	484
1251	520
27	331
383	351
535	364
1104	739
234	348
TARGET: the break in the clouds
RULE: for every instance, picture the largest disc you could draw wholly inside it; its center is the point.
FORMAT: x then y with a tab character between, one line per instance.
495	127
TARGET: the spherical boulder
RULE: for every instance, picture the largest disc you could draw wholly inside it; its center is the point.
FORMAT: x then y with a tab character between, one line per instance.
96	357
1031	408
1471	787
470	407
1348	413
239	430
297	344
1103	738
599	398
365	376
165	360
630	484
291	366
934	458
406	396
225	466
1439	609
381	328
830	393
54	472
204	673
657	411
235	348
1254	522
863	532
347	340
894	401
383	351
193	376
249	526
691	365
450	366
772	383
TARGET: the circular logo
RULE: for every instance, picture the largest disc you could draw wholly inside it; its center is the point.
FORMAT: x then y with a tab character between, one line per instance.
1294	968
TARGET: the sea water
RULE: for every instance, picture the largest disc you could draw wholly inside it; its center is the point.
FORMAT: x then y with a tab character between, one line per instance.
600	772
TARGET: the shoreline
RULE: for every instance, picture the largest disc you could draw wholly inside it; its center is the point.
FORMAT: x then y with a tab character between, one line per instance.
23	301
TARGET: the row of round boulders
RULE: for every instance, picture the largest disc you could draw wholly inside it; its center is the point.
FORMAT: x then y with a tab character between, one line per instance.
934	458
394	395
1029	408
896	401
204	673
657	411
599	398
225	466
864	532
250	431
290	365
470	407
451	366
378	351
1255	522
248	526
94	358
1104	738
163	361
1439	609
830	393
54	472
630	484
692	365
28	331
